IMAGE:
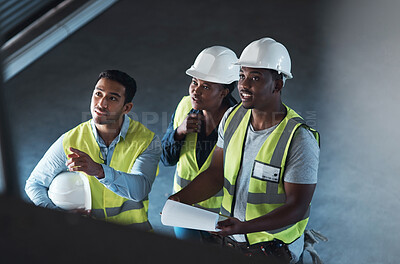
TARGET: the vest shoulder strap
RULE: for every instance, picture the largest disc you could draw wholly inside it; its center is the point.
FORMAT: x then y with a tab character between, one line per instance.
232	122
287	134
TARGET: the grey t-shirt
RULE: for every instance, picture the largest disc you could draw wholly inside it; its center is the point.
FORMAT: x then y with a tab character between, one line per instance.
301	167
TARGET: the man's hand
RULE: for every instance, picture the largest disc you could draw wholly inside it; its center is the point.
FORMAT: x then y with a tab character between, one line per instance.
230	226
83	212
298	198
80	161
191	124
174	198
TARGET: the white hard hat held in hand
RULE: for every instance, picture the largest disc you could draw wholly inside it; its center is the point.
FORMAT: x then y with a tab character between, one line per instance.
268	54
215	64
70	191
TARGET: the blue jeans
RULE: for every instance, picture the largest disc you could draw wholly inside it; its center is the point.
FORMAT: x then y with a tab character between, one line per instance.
190	234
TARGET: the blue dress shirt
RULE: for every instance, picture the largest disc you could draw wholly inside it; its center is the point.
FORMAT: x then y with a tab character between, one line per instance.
135	185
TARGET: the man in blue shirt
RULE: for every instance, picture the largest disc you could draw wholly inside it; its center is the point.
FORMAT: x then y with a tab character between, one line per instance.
111	131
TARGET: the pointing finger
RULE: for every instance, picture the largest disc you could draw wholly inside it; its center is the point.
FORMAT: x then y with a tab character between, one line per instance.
77	151
73	155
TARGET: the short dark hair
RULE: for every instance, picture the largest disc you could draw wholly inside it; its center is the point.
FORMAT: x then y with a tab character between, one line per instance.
127	81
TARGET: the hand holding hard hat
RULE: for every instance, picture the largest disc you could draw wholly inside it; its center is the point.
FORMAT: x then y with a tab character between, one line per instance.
71	191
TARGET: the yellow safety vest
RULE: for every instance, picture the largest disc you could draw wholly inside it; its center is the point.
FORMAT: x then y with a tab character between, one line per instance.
186	168
106	204
266	188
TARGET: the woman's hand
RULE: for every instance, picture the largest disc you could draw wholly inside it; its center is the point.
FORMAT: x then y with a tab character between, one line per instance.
191	124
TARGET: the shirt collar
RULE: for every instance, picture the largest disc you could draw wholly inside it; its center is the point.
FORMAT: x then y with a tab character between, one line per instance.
125	126
122	133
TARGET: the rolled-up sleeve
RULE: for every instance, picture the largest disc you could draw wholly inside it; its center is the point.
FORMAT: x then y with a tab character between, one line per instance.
52	163
135	185
171	148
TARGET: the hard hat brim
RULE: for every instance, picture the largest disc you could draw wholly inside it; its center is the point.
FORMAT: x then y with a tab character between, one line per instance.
288	75
209	78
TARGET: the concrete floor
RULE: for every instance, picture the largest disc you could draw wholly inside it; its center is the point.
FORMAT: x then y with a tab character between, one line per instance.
345	62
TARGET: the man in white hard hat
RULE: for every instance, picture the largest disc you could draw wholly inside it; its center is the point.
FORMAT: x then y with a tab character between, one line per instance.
118	155
266	162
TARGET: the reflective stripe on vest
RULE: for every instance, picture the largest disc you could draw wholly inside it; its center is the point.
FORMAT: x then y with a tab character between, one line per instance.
187	168
106	204
264	194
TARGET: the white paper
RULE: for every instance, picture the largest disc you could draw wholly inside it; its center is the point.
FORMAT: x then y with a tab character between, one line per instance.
183	215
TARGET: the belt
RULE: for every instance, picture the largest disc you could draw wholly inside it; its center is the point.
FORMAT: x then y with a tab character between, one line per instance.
275	250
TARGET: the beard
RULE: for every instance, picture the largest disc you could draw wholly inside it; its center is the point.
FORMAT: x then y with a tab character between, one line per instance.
105	117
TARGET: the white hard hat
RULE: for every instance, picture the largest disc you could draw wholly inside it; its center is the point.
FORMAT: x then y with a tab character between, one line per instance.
215	64
268	54
70	190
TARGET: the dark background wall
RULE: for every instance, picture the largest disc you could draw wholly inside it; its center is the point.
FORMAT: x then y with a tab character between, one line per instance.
345	62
